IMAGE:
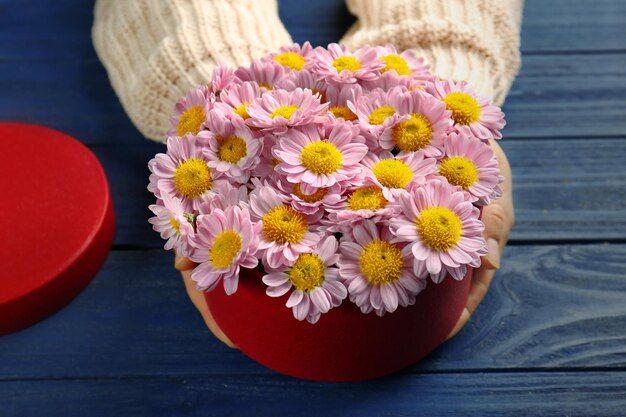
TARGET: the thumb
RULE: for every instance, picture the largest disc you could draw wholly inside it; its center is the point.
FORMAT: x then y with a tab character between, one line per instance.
493	218
186	266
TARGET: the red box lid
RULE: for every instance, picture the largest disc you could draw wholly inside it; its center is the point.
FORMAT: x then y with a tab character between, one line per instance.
57	222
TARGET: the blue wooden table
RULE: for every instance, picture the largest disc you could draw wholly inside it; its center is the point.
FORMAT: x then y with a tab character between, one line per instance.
549	339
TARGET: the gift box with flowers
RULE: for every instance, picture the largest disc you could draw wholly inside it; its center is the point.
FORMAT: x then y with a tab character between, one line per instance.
331	200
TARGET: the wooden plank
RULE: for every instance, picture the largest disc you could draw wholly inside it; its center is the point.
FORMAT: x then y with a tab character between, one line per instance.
127	171
72	96
564	189
568	26
499	394
568	189
568	95
556	307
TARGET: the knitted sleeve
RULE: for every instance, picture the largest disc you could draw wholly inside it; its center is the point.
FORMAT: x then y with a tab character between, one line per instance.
155	50
472	40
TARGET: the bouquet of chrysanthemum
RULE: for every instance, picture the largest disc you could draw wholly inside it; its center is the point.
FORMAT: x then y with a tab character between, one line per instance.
338	174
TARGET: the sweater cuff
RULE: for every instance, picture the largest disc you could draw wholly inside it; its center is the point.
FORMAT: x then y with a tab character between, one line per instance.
155	51
472	40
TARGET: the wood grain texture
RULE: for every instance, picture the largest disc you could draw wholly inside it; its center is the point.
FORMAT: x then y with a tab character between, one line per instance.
568	189
537	394
575	95
570	26
557	307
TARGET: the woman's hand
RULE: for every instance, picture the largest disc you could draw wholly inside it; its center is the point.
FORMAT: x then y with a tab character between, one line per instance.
185	266
498	217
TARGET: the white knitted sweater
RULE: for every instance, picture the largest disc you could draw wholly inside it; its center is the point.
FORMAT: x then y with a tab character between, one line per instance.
155	50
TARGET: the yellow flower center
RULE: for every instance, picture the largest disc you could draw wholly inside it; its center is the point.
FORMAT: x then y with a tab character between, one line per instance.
193	178
343	113
292	60
381	262
392	173
413	134
225	248
459	171
175	225
367	198
190	121
310	198
242	110
378	116
465	109
307	273
284	111
266	86
232	149
396	62
282	224
321	157
439	228
349	63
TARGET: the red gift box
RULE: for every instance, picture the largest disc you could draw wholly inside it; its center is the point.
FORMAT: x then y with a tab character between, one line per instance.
57	222
345	344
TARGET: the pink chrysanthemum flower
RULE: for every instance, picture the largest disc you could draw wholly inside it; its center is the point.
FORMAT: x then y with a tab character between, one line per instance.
184	171
223	77
356	205
153	179
305	79
279	110
225	242
235	100
321	157
311	204
265	169
395	175
339	66
380	110
284	232
314	280
266	73
222	196
172	223
190	112
294	57
378	272
403	64
391	79
425	129
471	114
232	150
471	164
443	230
339	98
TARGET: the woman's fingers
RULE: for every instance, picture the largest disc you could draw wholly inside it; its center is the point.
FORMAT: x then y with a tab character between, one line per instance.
465	316
493	217
498	218
185	266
